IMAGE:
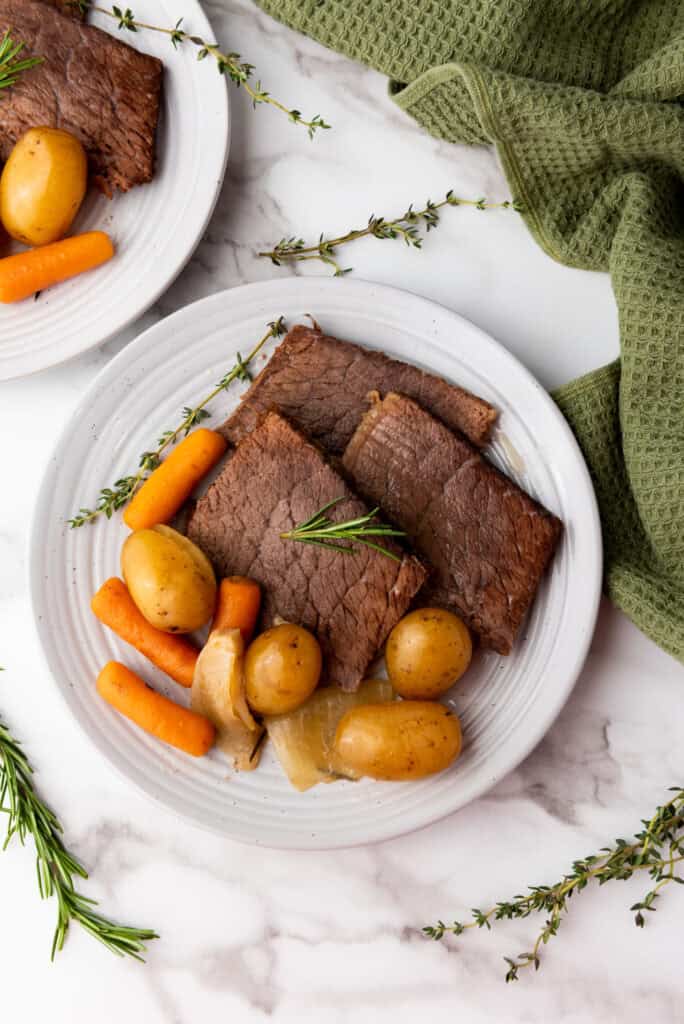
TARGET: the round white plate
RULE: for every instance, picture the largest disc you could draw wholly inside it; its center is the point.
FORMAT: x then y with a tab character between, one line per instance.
155	227
506	704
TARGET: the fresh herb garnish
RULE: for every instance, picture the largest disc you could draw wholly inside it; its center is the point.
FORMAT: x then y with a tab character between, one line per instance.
57	868
11	67
229	64
406	227
322	531
112	499
658	848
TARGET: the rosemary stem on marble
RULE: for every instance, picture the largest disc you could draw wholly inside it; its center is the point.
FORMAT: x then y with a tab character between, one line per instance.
407	227
657	849
112	499
56	867
12	64
321	531
228	63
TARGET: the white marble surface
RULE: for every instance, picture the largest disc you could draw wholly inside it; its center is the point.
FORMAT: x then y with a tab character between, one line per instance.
257	935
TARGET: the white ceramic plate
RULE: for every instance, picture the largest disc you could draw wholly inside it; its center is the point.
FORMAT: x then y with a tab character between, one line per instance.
155	227
506	704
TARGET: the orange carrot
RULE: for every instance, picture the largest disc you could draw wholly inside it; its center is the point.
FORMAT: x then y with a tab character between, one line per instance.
173	654
173	482
156	714
239	600
29	272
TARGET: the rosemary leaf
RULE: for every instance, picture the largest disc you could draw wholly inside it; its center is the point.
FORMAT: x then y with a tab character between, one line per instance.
28	816
11	66
111	499
323	532
231	65
657	849
406	228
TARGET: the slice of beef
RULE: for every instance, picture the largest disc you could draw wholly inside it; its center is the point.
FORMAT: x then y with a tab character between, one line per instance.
66	7
321	384
488	542
90	84
274	480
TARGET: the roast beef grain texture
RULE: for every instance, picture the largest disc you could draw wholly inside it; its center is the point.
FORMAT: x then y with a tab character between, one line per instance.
321	384
66	7
90	84
274	480
487	541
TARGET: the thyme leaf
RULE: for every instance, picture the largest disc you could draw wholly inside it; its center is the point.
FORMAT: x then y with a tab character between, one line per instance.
407	228
229	64
111	499
657	849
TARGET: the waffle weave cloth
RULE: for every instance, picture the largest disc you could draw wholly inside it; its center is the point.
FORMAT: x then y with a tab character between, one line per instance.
584	102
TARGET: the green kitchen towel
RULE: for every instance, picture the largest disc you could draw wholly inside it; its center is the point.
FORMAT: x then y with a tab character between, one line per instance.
584	101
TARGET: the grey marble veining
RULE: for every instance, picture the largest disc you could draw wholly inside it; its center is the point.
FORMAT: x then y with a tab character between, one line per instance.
333	938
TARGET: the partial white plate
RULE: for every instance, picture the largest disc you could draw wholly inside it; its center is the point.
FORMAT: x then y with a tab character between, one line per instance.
155	227
506	704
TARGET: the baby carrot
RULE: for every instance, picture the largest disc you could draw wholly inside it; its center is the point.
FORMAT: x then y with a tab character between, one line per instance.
128	694
29	272
173	482
173	654
239	600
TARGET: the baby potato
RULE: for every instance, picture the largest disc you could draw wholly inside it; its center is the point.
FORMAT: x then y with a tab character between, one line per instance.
398	742
43	185
282	669
427	651
169	578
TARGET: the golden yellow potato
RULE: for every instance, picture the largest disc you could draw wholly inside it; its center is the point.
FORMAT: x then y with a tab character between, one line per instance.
427	651
43	185
282	669
169	578
398	742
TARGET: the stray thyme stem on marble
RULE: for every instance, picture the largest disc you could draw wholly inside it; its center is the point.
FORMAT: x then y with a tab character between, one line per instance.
27	815
112	499
228	63
406	227
657	849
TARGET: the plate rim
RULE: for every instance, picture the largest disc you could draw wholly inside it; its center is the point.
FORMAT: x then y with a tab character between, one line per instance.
17	371
156	334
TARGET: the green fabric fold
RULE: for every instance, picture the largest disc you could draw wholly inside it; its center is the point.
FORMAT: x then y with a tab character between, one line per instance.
584	101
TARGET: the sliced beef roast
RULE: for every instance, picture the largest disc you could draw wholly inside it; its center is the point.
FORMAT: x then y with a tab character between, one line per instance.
90	84
321	384
274	480
487	541
67	7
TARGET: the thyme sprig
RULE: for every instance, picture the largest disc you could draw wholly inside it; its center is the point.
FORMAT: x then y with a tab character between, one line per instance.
56	867
112	499
228	63
407	227
657	849
12	66
323	532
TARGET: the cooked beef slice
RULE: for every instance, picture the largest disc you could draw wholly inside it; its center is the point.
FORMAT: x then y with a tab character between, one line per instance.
274	480
66	7
321	384
487	541
90	84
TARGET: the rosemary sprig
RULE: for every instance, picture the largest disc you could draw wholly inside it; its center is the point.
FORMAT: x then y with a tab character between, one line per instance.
228	63
112	499
657	849
323	532
406	227
57	868
11	67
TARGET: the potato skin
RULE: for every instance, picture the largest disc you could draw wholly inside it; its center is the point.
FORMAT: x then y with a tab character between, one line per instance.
43	185
427	652
399	742
169	578
282	669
